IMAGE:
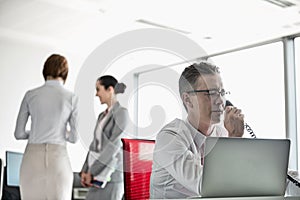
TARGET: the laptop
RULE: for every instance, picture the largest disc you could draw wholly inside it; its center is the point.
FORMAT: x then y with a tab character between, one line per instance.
245	167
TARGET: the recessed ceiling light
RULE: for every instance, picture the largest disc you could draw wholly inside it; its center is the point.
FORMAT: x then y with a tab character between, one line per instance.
207	38
101	10
143	21
286	26
281	3
297	23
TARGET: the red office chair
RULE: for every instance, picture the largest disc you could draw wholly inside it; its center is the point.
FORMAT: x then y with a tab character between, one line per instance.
137	155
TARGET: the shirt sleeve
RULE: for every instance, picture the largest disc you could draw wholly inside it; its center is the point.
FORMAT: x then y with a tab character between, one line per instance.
72	135
20	132
173	153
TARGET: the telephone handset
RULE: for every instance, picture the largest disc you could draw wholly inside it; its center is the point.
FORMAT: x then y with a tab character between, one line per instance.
250	131
247	127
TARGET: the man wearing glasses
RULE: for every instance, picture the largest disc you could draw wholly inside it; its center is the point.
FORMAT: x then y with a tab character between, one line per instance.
178	154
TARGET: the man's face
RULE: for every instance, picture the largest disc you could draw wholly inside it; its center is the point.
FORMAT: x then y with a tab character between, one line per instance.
208	106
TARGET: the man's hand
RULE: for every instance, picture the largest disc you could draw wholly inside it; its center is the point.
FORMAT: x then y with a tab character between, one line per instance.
86	179
234	121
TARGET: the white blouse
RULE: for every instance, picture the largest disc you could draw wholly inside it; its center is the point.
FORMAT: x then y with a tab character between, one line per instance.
51	108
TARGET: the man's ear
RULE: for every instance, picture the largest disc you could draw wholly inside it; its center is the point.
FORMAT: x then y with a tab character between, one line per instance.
187	100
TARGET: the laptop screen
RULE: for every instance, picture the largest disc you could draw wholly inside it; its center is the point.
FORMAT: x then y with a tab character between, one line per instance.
237	167
13	163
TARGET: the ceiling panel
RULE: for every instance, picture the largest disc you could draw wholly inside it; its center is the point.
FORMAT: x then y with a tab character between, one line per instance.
215	24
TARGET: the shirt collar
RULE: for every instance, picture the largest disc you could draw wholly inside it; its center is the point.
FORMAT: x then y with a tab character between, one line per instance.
54	82
107	110
113	107
198	137
193	129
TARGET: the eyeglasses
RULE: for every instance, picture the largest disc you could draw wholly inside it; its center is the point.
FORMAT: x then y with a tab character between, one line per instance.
211	92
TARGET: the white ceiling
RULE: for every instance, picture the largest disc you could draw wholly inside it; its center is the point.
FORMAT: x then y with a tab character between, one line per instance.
82	25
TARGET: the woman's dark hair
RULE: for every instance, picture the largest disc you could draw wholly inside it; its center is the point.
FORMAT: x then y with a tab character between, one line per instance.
56	66
108	80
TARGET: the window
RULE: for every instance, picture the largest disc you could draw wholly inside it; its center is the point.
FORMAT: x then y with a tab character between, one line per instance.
255	78
297	62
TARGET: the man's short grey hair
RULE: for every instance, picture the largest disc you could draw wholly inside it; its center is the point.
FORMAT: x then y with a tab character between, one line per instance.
189	76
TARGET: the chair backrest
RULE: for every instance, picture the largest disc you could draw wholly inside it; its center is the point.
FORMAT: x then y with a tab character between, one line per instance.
137	159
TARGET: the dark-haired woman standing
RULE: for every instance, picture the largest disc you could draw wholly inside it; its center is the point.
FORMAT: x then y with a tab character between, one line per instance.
46	170
102	170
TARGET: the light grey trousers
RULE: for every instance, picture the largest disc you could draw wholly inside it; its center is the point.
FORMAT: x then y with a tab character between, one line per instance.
46	173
